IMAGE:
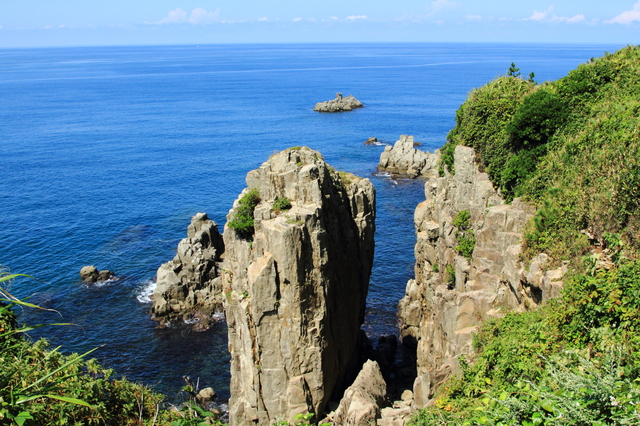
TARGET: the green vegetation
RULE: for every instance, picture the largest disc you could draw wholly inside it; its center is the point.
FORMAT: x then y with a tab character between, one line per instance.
571	148
450	276
242	221
464	234
281	204
41	386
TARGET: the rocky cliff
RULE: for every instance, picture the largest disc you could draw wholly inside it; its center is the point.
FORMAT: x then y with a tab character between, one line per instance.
467	269
189	286
339	104
296	288
404	159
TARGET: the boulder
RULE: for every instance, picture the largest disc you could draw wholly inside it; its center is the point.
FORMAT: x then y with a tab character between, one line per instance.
363	400
206	395
404	159
339	104
296	288
189	285
89	274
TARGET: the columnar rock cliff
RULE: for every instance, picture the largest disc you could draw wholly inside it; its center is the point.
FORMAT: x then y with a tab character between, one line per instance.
296	289
189	286
404	159
451	294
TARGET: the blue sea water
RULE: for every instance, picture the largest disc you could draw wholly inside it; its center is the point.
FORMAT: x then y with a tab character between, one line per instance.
107	152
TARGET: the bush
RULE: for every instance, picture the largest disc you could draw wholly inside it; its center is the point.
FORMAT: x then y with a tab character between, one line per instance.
464	234
280	204
243	221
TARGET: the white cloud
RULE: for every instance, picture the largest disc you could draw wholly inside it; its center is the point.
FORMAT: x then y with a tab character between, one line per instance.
263	19
546	16
296	19
473	18
200	15
355	17
539	16
61	26
442	4
334	18
626	17
176	16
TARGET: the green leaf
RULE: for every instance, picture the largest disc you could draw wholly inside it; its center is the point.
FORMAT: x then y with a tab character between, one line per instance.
71	400
547	407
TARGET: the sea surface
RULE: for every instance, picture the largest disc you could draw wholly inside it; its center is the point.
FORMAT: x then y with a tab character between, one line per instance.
106	153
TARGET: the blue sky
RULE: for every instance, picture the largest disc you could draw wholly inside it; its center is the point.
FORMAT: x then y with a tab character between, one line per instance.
135	22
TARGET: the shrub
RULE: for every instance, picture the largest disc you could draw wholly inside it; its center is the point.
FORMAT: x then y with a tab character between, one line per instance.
243	221
280	204
464	234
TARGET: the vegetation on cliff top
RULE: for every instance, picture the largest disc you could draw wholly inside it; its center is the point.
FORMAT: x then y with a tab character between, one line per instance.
572	149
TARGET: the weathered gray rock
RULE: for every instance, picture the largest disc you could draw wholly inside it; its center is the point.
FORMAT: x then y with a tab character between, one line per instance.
90	274
338	104
296	293
442	313
189	286
404	159
363	400
206	395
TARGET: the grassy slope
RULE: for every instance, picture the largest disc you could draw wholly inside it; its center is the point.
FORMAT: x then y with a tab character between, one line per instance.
572	148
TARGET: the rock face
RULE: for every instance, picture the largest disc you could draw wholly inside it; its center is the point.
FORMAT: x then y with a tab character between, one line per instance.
295	294
339	104
452	295
189	286
404	159
363	399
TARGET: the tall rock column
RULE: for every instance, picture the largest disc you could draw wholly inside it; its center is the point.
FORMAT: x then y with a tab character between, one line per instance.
296	289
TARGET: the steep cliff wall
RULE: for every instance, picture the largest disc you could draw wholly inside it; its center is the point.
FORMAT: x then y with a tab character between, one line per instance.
452	294
296	289
189	286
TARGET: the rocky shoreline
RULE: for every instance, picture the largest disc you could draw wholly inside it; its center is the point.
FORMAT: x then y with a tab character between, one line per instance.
294	288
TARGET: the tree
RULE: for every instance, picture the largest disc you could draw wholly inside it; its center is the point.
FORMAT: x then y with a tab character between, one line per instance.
513	71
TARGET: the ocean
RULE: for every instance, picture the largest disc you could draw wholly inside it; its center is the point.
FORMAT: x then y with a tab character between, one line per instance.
107	152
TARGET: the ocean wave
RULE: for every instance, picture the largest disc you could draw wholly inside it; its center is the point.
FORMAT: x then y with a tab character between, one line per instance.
145	292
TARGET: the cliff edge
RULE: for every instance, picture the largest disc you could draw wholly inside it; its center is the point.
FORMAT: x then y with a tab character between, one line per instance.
467	270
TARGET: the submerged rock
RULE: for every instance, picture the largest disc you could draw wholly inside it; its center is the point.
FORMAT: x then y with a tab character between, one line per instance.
189	285
404	159
296	289
339	104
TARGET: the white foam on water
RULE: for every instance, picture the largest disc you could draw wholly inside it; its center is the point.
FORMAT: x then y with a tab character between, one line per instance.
146	291
218	316
191	321
382	174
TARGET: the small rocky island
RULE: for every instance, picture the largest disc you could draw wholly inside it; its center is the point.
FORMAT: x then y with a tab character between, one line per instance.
339	104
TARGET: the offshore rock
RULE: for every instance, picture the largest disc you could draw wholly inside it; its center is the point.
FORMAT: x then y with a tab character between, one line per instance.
338	104
404	159
189	286
90	274
295	294
452	295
